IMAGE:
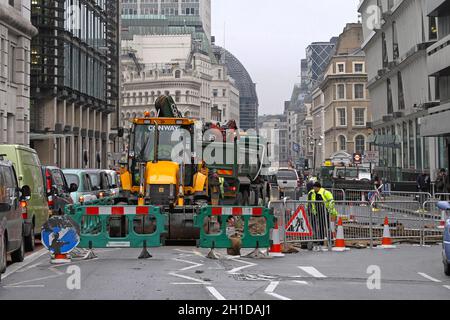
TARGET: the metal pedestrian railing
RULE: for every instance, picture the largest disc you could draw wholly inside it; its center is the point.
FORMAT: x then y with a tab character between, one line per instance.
409	221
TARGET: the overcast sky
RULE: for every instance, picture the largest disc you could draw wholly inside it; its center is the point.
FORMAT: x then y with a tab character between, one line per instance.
270	37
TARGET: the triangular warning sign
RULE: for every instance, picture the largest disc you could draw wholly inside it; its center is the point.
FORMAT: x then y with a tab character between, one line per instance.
298	225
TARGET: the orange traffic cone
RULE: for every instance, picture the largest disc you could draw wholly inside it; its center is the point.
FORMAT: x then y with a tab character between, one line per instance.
386	243
275	249
60	259
339	245
443	219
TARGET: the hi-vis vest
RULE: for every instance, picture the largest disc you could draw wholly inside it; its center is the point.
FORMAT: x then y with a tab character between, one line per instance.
328	199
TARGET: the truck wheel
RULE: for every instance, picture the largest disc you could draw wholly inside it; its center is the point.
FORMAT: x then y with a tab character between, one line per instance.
3	256
30	240
446	268
19	254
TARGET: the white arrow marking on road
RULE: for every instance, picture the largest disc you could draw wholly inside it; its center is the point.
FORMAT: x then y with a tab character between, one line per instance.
196	252
271	288
429	278
194	264
215	293
30	259
313	272
248	265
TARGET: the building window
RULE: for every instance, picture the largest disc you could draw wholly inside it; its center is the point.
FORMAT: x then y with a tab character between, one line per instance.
340	92
342	143
358	68
342	117
340	67
390	104
215	93
177	74
224	92
359	117
360	144
359	91
401	95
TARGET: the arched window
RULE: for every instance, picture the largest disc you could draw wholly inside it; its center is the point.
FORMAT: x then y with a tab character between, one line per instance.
342	143
360	144
177	74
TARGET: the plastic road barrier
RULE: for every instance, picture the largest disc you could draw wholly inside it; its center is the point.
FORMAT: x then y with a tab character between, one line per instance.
254	216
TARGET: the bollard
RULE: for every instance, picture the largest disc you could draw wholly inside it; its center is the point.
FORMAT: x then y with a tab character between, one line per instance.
144	254
257	254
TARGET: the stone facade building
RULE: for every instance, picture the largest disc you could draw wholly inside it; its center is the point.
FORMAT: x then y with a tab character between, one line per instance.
16	32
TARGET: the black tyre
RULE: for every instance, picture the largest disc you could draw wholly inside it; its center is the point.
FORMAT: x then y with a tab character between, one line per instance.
30	240
447	269
3	256
19	254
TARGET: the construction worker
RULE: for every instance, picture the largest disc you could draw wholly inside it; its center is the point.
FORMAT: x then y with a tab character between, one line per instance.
322	211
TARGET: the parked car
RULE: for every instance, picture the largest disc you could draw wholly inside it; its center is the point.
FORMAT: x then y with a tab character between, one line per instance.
29	173
100	183
12	209
114	182
288	182
57	189
81	179
445	206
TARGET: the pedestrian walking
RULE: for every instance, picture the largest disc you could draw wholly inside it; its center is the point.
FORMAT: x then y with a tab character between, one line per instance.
322	211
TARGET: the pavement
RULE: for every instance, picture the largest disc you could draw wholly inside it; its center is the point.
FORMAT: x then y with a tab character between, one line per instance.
183	273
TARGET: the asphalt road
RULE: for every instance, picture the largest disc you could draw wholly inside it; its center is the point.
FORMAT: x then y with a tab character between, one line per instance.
183	273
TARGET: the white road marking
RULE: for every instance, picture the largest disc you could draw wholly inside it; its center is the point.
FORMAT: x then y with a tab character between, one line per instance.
215	293
313	272
196	252
26	286
194	264
186	283
301	282
448	287
271	288
429	277
28	267
247	265
28	260
33	280
187	278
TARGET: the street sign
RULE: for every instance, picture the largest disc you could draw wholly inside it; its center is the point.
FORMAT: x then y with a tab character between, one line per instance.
372	157
357	158
60	235
298	225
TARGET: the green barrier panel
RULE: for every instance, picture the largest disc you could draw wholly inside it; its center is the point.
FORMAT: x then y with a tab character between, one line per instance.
249	215
106	226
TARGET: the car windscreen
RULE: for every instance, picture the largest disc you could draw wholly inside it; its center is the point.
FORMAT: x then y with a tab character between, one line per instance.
72	178
95	179
286	175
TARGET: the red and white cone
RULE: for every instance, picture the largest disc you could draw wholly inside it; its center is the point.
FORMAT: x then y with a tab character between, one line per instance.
60	259
275	249
339	245
386	243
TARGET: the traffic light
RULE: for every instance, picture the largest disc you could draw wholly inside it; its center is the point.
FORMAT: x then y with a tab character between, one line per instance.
306	164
